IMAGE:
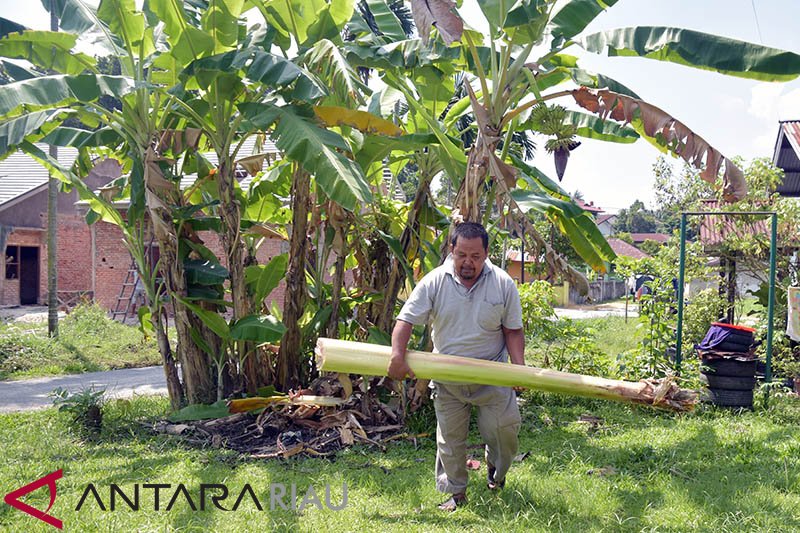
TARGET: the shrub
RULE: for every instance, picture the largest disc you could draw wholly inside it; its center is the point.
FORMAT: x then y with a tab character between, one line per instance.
85	406
704	308
538	299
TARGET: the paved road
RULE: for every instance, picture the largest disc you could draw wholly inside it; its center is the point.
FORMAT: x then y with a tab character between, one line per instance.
28	394
597	311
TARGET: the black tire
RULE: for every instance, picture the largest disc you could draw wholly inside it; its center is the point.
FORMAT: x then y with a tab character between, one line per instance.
731	398
726	382
741	337
729	367
729	346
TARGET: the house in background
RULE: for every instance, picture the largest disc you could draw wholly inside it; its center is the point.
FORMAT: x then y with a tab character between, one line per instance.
787	157
93	262
605	223
590	207
622	248
23	233
514	265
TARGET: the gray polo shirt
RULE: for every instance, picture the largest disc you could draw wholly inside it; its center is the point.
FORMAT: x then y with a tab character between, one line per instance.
466	322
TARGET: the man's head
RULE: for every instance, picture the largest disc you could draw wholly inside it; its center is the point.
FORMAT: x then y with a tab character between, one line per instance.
470	246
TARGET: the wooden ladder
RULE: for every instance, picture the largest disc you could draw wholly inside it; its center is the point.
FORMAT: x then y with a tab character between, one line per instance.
126	292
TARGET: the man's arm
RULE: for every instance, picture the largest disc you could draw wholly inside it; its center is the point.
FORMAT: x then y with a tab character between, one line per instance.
398	368
515	344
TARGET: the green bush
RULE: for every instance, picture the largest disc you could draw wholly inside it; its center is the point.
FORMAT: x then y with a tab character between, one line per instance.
558	343
88	319
538	299
575	349
85	407
704	308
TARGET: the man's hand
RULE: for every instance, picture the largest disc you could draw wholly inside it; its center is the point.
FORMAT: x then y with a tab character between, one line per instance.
515	343
518	389
399	369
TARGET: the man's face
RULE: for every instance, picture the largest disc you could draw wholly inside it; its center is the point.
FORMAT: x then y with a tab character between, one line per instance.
468	258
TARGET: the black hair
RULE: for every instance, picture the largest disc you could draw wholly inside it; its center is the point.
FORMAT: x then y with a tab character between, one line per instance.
470	230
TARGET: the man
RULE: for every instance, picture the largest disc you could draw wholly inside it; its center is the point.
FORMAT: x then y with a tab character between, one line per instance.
474	310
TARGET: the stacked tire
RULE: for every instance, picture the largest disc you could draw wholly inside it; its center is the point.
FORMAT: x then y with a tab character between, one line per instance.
729	365
730	381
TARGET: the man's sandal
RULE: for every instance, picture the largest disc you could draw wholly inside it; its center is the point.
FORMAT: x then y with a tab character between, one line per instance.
491	482
455	501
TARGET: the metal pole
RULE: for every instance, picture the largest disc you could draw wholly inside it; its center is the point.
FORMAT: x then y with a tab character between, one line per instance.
681	273
522	246
771	306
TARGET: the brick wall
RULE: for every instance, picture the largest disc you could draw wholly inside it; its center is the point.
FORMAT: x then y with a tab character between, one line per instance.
10	295
74	254
112	262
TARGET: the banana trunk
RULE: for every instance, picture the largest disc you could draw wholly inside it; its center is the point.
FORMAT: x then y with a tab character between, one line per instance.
334	355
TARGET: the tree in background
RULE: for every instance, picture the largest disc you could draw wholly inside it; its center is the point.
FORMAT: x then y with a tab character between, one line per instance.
676	192
636	219
650	247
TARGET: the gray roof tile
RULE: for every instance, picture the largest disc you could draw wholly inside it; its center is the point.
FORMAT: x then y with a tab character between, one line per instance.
21	175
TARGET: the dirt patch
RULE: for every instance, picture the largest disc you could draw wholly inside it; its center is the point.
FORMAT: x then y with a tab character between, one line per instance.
282	430
26	313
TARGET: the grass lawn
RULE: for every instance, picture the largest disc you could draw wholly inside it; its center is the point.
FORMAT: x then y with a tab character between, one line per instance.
88	341
613	334
639	470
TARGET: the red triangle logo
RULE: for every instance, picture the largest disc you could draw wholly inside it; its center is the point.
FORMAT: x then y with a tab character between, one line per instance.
12	498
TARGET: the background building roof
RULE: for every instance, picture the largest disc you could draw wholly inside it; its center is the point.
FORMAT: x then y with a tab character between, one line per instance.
715	229
787	157
605	218
641	237
589	207
622	248
21	175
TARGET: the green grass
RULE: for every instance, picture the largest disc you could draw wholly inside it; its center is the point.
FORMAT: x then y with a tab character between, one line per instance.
612	334
712	470
88	341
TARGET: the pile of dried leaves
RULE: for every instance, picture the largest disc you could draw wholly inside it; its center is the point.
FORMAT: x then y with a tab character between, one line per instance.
331	414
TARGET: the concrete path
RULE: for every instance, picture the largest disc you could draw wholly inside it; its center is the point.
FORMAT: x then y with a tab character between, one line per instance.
599	310
28	394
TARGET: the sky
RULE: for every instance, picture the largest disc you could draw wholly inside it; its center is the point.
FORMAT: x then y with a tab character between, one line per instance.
736	116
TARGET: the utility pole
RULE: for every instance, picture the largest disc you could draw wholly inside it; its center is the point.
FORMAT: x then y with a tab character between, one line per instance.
52	224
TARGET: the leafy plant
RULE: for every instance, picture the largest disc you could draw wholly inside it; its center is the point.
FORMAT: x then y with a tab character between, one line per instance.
85	406
559	343
700	311
538	299
573	348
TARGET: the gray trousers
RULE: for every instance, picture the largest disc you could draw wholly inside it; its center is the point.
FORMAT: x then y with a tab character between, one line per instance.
498	423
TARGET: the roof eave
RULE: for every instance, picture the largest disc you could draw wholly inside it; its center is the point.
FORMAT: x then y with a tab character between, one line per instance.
22	197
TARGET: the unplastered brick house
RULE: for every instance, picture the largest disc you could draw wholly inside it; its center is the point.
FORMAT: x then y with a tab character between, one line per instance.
93	262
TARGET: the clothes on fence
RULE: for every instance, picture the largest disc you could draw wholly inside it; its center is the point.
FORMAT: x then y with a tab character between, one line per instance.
793	318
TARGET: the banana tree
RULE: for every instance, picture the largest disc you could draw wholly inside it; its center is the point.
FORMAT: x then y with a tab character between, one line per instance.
514	90
423	78
151	132
35	105
240	87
